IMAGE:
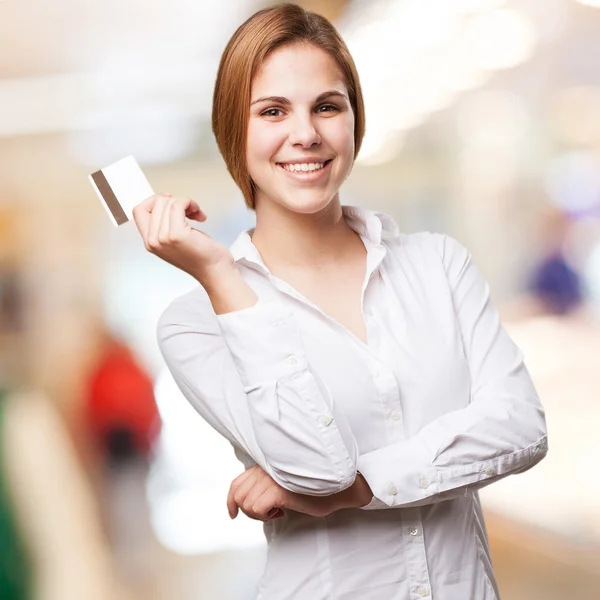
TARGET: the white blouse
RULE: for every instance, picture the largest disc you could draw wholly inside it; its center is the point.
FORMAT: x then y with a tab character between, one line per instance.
436	405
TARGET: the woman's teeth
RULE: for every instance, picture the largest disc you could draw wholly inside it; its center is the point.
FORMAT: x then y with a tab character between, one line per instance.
303	167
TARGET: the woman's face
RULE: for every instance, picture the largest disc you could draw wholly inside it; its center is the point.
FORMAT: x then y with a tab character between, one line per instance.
300	145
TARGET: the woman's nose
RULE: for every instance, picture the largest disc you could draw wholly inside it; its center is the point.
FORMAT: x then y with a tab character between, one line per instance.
303	132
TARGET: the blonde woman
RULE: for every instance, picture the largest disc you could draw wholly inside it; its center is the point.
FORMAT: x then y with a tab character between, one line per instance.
361	374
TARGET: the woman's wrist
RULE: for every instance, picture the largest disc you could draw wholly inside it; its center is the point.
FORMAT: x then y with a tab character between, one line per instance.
227	290
357	495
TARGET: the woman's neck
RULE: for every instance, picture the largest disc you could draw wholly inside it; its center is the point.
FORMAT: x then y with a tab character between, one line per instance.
286	239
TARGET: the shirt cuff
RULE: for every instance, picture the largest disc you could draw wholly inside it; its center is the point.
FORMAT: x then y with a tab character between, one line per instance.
264	341
398	474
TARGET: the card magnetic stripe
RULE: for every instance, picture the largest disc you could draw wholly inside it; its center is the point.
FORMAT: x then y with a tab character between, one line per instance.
109	197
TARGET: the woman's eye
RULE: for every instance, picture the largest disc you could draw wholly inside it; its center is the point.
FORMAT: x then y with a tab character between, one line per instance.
327	108
271	112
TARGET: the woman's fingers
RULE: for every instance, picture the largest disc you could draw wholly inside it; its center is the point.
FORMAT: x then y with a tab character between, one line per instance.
275	513
156	219
179	210
265	505
162	218
232	507
163	224
256	494
164	232
152	219
259	499
243	492
142	214
193	211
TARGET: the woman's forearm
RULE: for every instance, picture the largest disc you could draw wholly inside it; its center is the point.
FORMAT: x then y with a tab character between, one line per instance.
227	290
357	495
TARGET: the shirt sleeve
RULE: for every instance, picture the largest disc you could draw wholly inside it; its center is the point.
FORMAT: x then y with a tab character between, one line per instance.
247	375
501	431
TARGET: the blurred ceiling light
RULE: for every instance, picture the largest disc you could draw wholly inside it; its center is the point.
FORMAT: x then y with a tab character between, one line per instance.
573	183
500	39
91	100
146	53
415	56
594	3
575	114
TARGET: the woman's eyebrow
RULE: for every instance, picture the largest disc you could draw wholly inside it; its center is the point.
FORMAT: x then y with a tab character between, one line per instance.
275	99
324	95
282	100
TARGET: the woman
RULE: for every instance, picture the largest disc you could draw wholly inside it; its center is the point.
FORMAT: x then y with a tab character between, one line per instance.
361	374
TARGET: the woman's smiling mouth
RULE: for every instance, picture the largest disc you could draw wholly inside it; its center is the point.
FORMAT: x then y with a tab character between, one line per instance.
306	171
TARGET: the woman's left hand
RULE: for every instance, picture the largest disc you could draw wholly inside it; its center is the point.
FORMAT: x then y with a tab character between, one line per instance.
260	498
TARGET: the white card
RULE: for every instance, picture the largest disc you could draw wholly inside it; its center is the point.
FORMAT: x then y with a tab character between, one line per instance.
121	187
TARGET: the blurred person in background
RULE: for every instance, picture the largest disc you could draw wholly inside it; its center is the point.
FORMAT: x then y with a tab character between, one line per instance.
362	374
555	282
120	411
122	423
555	285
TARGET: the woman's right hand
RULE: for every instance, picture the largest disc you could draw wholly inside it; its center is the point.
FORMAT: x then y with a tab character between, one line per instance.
161	221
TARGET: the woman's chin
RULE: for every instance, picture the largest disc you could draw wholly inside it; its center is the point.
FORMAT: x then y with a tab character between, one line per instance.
299	201
307	203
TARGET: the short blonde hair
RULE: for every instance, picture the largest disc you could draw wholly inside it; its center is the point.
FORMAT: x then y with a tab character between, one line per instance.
260	35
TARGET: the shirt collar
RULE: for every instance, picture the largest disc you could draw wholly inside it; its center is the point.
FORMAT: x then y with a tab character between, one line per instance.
372	226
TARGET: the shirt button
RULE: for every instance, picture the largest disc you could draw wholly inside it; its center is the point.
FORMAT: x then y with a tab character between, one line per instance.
396	415
489	471
368	312
414	531
424	483
422	591
393	490
326	419
291	360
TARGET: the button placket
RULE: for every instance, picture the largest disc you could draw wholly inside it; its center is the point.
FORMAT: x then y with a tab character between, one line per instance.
416	558
387	386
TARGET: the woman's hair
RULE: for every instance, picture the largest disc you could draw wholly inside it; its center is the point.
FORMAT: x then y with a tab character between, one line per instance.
260	35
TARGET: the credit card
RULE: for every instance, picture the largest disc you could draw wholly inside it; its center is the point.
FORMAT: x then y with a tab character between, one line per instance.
121	187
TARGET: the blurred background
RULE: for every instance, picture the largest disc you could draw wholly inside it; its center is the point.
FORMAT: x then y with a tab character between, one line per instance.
483	121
